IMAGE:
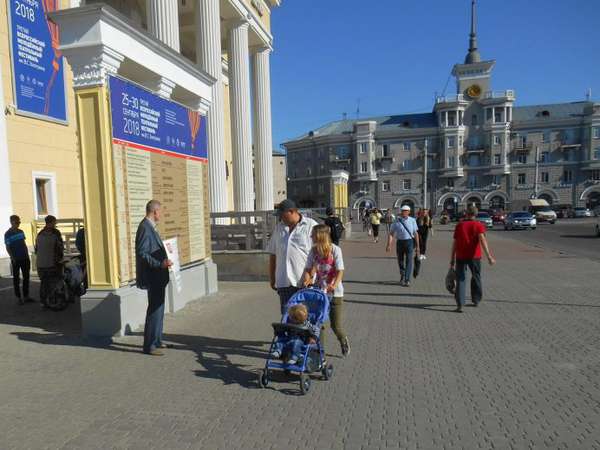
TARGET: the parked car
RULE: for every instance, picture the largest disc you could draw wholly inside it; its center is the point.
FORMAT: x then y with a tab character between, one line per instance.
596	211
580	212
498	217
520	220
542	211
485	219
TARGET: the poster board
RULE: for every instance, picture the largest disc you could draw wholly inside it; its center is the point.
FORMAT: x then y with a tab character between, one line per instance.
159	152
37	63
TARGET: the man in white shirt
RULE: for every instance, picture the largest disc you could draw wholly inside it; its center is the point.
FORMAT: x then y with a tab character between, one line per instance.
405	231
289	247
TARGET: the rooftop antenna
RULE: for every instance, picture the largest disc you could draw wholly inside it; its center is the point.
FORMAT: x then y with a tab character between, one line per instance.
344	116
358	109
588	95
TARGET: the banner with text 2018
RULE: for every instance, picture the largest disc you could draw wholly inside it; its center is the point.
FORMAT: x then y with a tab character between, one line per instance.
38	69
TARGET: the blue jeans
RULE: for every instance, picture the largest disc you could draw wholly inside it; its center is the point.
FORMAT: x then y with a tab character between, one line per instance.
404	252
291	346
461	281
155	314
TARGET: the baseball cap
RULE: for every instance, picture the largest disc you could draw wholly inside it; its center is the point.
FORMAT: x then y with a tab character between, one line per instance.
284	206
405	208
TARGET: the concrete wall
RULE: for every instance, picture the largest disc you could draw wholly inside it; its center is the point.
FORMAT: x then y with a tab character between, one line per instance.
242	266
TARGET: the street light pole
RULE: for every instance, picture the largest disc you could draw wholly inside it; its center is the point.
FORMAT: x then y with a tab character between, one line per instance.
425	162
537	171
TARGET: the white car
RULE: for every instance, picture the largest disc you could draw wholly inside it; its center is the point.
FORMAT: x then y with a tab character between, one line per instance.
582	212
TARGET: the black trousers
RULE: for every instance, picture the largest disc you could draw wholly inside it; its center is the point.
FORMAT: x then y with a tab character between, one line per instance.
48	278
22	266
375	230
155	314
461	280
424	235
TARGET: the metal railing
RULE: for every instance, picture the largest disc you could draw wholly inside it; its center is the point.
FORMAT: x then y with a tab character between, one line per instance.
68	229
509	94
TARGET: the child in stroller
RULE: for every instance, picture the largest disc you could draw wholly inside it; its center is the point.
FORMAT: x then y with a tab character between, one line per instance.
297	339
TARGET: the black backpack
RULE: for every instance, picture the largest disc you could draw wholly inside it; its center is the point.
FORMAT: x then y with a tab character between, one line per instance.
336	227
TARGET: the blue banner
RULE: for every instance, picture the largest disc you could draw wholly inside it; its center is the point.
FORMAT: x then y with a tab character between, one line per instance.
153	123
38	70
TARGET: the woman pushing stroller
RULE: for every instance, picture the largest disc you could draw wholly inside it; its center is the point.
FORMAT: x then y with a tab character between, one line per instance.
325	270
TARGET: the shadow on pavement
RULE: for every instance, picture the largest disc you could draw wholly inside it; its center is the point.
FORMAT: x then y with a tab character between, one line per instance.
427	306
402	294
579	236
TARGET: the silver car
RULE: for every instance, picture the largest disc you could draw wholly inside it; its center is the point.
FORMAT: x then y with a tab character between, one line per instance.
485	219
520	220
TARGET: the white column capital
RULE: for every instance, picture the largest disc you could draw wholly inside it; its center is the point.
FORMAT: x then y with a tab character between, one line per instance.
161	85
257	49
92	70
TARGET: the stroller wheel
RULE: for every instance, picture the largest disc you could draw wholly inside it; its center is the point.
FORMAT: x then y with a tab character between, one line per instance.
263	378
327	372
305	382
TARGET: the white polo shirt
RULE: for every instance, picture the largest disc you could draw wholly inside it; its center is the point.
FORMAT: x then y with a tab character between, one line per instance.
291	251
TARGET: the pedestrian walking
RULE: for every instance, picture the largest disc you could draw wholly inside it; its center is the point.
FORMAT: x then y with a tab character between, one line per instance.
405	231
289	247
469	239
14	239
425	227
325	269
388	219
375	223
335	225
49	249
367	221
152	274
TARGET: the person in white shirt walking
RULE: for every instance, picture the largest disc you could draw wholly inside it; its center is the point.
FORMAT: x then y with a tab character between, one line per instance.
289	247
405	231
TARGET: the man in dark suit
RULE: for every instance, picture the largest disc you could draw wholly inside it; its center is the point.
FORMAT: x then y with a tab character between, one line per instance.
152	272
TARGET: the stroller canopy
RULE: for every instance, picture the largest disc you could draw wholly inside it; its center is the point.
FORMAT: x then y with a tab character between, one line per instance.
317	303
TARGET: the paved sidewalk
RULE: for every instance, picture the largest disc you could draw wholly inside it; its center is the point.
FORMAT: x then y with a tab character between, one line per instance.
520	371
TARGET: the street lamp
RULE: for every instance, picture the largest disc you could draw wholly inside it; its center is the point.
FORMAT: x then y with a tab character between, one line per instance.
537	172
425	163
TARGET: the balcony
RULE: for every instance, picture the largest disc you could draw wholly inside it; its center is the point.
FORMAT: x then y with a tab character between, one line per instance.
565	145
450	99
508	94
522	147
456	172
476	149
499	170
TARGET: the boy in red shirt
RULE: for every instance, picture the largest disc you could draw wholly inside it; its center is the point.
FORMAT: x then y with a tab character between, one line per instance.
469	238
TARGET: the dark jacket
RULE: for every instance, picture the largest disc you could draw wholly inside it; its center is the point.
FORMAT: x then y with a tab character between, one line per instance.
49	248
149	255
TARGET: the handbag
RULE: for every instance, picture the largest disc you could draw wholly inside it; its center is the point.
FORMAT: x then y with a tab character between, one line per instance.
451	280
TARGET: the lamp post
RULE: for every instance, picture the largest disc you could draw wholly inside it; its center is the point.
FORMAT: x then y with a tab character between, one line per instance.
537	172
425	163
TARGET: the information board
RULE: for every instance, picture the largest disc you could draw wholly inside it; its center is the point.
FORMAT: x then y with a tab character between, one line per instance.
38	69
159	152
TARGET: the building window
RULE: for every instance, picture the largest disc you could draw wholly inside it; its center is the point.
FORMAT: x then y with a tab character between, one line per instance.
321	188
406	146
44	185
596	132
546	136
497	140
595	175
385	151
385	186
364	167
521	178
450	182
364	146
544	177
308	171
497	159
474	120
451	142
497	179
406	164
309	189
567	177
497	116
406	185
451	161
597	153
472	181
522	158
451	118
488	114
545	157
322	168
474	160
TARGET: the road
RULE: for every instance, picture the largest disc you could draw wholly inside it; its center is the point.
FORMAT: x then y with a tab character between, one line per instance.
570	237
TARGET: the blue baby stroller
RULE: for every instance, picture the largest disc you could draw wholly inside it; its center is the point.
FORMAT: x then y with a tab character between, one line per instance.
313	355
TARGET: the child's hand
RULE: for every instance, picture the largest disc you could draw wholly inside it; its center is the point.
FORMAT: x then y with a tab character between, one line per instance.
330	288
312	341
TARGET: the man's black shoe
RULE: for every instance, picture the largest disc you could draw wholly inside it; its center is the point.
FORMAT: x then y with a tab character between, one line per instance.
458	309
20	301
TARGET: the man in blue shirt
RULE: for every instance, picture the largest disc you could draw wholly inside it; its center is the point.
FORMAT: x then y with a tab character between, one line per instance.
405	231
14	239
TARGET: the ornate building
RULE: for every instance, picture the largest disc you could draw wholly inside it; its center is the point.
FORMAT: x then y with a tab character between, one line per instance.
476	146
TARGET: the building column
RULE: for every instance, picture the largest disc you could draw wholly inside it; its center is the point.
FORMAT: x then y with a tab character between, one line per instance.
5	185
208	51
263	140
163	21
239	85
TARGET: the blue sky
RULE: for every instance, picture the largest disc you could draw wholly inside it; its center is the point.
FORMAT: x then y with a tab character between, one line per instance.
394	55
